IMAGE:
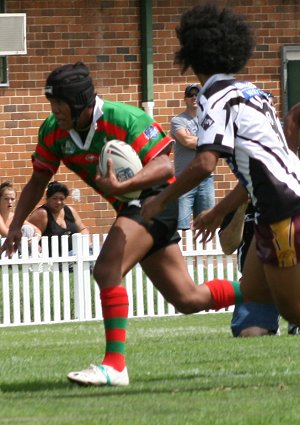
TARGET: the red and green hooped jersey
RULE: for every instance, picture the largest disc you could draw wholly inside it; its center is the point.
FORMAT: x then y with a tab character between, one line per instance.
112	120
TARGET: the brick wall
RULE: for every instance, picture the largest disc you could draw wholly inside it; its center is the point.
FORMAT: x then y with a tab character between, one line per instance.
106	35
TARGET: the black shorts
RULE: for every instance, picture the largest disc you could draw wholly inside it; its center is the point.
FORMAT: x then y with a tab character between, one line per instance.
163	227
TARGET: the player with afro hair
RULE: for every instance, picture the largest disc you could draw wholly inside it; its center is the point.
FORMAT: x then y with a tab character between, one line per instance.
213	41
237	122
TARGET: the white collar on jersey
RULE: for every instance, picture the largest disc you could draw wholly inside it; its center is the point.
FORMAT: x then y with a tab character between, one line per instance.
214	78
97	113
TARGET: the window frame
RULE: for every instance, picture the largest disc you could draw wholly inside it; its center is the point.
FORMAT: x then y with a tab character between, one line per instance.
289	53
3	59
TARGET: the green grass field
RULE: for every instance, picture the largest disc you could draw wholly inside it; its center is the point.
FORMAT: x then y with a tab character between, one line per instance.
184	370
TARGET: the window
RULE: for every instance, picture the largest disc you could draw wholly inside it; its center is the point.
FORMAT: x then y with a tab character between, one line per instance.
290	76
3	59
3	71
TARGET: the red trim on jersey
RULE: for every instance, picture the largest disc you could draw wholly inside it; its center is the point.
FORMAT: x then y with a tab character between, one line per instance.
55	135
140	142
142	139
46	154
41	167
82	159
111	199
44	167
158	148
171	180
111	129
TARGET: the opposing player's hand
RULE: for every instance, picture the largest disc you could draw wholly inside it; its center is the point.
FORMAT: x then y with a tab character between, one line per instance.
11	243
206	224
151	208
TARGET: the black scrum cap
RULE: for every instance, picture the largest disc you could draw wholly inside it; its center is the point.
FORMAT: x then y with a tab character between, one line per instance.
72	84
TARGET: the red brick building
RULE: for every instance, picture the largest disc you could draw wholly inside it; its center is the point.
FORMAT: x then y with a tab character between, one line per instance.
109	36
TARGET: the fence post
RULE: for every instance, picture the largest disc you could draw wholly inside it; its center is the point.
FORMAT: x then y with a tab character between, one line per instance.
33	248
139	287
25	279
79	302
56	279
86	277
97	304
5	295
65	275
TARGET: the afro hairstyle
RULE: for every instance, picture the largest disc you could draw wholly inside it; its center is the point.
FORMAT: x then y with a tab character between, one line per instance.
213	41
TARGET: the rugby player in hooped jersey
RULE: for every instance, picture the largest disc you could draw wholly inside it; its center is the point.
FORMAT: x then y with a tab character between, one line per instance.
74	134
238	123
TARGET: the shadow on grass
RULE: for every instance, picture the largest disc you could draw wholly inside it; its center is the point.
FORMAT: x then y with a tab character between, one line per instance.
34	386
164	385
39	386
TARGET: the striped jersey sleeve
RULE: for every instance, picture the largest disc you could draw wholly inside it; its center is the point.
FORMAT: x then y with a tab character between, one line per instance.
237	120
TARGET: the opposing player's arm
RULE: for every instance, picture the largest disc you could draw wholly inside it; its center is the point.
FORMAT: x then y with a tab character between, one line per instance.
209	221
231	235
197	170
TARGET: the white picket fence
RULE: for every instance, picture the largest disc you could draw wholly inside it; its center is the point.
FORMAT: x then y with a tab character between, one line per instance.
38	289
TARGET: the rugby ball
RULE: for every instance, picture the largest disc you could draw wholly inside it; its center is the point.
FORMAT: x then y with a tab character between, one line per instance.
125	161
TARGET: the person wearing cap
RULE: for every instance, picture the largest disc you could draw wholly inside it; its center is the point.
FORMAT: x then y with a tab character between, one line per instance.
74	133
184	129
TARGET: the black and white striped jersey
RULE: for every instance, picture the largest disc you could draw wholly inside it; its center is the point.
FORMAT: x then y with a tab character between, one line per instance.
237	120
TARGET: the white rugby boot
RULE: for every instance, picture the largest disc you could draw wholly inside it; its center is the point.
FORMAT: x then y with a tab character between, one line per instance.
100	375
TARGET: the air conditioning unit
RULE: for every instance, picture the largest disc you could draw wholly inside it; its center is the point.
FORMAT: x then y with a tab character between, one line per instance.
12	34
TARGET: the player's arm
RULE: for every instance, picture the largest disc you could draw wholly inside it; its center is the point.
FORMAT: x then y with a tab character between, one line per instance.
231	235
209	221
157	170
30	196
198	169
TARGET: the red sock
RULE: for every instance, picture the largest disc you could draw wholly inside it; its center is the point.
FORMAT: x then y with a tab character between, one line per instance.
225	293
115	314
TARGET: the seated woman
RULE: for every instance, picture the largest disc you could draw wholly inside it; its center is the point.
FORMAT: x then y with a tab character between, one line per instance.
55	218
7	206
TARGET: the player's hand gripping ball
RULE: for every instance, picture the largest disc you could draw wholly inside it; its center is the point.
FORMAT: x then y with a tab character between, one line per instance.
125	162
